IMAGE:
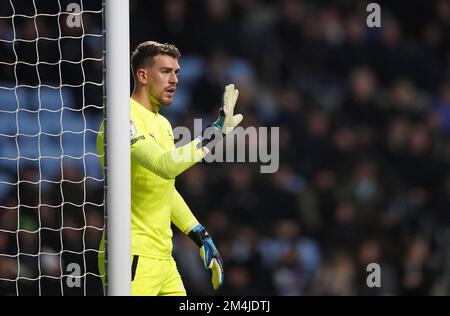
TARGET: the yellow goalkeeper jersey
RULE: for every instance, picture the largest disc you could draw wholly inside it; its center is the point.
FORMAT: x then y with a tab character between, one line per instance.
155	162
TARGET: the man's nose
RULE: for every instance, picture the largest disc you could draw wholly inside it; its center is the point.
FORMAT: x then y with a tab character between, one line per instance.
174	79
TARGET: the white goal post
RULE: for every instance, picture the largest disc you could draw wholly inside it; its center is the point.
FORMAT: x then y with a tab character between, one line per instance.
118	150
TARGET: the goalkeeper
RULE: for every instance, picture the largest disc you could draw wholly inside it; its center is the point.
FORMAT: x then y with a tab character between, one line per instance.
155	162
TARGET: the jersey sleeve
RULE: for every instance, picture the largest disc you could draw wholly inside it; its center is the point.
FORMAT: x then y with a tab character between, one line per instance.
100	145
181	214
166	164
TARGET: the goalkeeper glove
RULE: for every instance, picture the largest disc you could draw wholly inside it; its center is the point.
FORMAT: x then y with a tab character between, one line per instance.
226	121
209	254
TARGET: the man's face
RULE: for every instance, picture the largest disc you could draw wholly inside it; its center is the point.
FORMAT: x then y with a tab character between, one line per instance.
160	79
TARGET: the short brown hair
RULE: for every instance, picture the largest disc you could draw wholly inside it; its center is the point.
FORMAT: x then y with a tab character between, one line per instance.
144	53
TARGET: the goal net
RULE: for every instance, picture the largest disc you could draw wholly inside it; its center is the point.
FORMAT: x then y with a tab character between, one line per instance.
51	182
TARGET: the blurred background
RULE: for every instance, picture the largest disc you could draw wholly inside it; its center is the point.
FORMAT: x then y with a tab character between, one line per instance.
364	118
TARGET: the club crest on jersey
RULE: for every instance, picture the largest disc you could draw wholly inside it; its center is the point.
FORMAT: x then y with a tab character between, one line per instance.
133	130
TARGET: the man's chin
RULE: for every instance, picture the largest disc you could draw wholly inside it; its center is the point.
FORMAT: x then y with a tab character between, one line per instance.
166	101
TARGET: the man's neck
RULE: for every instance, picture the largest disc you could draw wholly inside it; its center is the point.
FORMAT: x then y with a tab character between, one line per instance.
141	96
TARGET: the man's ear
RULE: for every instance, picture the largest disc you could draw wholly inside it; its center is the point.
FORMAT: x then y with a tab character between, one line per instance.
141	76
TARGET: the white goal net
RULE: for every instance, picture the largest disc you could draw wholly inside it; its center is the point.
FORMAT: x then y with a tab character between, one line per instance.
51	182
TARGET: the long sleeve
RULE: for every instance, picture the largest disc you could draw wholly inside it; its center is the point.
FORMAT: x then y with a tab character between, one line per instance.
181	215
165	163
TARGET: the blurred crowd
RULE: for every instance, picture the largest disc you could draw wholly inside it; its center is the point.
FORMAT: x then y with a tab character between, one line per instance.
364	176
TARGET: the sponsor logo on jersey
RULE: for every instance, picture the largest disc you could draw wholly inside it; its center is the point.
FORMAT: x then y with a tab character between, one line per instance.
134	140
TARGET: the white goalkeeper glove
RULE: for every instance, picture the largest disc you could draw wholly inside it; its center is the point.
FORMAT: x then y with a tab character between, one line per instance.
226	121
